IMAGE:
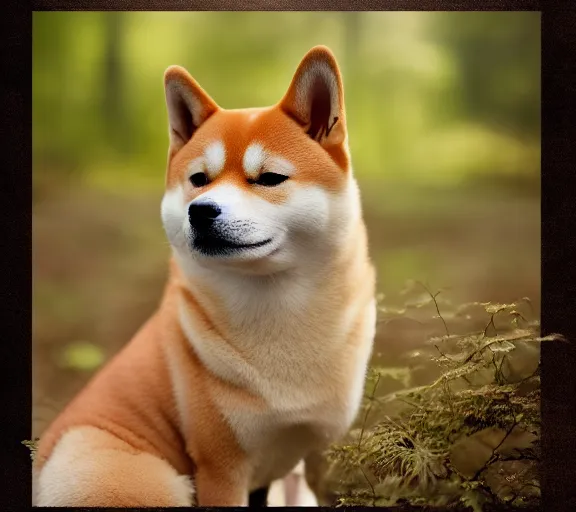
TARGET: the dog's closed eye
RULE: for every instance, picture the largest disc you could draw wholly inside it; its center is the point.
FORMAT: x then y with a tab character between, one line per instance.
269	179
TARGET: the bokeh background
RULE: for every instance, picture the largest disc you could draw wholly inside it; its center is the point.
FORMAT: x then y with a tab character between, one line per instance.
443	113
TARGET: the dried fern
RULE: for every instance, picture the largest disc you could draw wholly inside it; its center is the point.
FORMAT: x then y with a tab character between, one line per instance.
459	441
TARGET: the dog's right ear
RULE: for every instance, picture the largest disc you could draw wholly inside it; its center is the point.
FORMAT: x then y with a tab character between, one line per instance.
188	106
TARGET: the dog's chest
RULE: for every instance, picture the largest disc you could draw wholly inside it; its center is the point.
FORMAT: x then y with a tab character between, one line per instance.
306	364
275	441
301	415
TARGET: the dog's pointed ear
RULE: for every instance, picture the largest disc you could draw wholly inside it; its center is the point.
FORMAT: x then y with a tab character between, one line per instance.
188	106
315	98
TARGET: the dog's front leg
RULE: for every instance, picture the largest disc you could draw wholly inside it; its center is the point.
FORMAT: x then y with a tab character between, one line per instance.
221	487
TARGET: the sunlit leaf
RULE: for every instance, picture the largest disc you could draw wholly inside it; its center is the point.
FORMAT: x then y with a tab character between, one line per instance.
81	355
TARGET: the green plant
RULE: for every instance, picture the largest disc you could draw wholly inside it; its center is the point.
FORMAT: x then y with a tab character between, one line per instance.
32	446
468	440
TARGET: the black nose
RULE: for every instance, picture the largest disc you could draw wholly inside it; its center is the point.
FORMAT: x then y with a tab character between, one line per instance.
202	215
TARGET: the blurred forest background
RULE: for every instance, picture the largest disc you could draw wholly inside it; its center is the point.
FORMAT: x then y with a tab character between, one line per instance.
444	122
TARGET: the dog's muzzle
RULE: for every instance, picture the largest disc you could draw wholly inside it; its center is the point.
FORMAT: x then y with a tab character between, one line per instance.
209	238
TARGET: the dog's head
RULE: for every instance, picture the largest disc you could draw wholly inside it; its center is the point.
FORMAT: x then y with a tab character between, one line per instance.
259	190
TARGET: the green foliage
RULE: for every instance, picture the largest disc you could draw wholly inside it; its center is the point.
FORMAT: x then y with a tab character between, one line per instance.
82	355
468	439
32	446
431	97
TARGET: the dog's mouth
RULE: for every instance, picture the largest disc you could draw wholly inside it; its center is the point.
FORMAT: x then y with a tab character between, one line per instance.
213	246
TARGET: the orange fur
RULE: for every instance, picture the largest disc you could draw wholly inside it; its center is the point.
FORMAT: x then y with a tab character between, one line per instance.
171	403
278	133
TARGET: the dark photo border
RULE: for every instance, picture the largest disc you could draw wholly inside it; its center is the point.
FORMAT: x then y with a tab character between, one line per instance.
558	465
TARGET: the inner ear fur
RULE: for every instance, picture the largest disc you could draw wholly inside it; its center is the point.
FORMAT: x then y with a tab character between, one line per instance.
315	97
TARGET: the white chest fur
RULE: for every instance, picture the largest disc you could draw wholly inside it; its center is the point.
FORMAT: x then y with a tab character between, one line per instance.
305	355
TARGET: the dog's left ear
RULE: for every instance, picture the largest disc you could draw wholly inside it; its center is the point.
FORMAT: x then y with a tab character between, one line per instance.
315	98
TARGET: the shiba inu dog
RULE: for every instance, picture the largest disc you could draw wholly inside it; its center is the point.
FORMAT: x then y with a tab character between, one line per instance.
257	353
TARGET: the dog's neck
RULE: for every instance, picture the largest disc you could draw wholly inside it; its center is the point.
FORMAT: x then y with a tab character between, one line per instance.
248	300
240	325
